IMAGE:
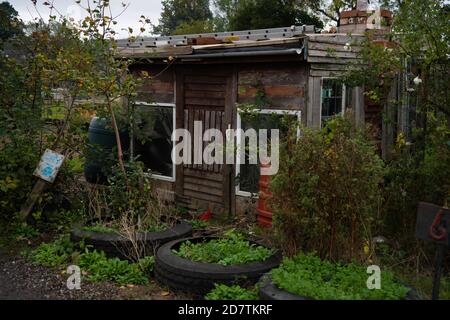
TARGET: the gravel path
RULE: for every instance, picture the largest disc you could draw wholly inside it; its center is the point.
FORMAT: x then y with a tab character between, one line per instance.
20	280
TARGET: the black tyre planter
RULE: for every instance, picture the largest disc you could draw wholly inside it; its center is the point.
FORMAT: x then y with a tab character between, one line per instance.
198	277
269	291
115	245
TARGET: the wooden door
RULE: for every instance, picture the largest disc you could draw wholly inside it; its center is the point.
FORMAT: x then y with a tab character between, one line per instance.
205	94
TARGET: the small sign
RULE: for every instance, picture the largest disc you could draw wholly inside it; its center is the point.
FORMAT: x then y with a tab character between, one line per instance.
49	165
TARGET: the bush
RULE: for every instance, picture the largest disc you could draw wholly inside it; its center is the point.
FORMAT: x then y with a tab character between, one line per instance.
227	251
311	277
235	292
327	192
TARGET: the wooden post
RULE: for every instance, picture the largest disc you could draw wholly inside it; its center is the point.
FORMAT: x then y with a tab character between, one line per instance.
36	192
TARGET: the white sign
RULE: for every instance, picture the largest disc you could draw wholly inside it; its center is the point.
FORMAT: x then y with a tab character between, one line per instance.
49	165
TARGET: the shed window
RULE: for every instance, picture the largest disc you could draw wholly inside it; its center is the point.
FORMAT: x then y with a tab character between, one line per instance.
332	98
247	175
153	144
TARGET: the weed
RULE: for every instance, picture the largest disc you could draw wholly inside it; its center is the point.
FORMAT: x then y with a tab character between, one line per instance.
235	292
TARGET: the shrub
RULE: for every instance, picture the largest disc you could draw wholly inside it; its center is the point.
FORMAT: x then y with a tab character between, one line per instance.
232	249
235	292
327	191
308	276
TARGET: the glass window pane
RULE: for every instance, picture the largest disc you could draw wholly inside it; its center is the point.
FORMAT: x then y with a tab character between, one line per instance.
153	144
249	173
331	98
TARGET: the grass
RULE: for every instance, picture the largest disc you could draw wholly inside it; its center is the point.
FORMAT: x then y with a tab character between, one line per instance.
233	249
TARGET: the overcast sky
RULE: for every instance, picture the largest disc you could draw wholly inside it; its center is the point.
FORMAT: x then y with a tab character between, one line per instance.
136	8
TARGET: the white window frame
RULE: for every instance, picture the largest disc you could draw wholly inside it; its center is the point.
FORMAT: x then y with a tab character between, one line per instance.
344	96
173	106
298	113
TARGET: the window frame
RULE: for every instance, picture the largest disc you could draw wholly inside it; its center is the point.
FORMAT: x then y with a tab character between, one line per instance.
167	105
343	102
298	113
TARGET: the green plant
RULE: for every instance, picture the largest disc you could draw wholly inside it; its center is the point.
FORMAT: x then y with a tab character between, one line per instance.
327	191
308	276
53	254
232	249
198	224
235	292
25	231
100	228
100	268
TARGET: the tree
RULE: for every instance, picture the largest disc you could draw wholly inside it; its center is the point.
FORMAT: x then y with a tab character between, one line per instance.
176	13
330	9
252	14
10	25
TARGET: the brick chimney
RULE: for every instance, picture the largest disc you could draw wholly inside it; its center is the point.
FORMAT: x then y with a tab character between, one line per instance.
363	19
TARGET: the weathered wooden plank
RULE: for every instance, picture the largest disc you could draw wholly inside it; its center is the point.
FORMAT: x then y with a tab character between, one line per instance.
327	66
153	52
334	39
272	91
205	102
204	87
206	189
274	75
205	79
331	54
203	196
202	174
205	94
330	60
326	73
332	46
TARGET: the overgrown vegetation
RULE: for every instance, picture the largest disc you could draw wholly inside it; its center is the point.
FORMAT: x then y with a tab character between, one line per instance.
234	292
308	276
98	267
232	249
326	195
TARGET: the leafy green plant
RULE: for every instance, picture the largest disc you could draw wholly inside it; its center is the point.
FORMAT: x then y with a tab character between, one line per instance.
53	254
25	231
235	292
232	249
308	276
327	191
98	267
198	224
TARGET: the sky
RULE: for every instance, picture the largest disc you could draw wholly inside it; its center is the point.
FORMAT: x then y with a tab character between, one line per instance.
150	8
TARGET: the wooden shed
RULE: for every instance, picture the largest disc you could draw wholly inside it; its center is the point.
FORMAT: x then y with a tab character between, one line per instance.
206	77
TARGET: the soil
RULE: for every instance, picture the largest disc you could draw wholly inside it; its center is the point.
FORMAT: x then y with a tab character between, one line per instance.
22	280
